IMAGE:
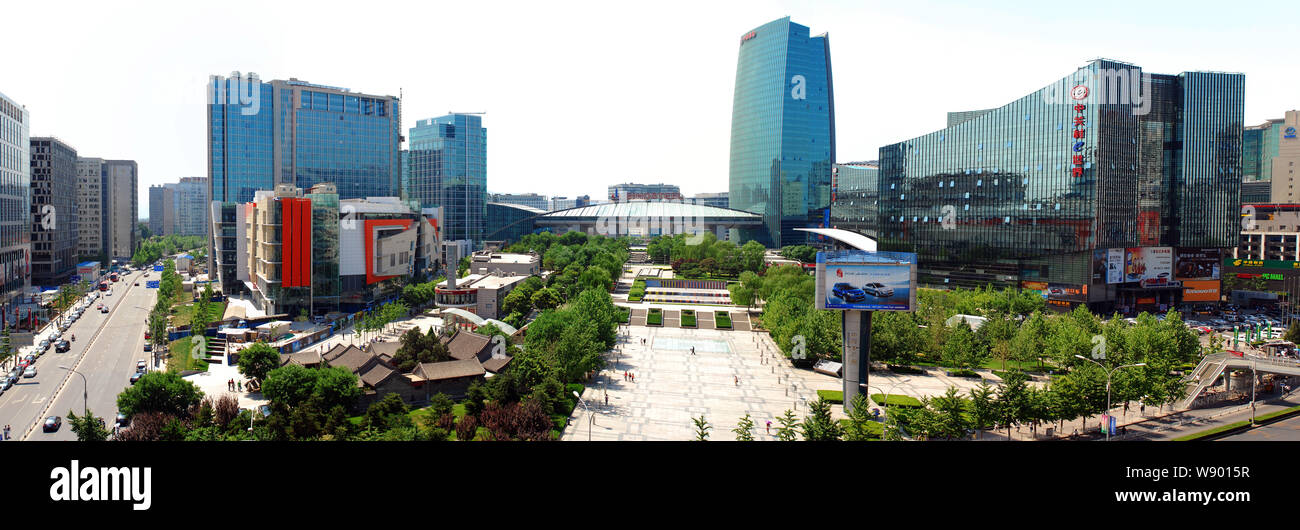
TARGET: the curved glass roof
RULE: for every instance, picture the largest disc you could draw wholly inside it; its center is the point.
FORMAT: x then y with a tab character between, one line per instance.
653	209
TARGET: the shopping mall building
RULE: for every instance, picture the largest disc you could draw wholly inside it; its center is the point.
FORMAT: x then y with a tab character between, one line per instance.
1112	186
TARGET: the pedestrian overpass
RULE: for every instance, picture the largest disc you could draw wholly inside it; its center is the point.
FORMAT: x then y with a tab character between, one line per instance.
1212	366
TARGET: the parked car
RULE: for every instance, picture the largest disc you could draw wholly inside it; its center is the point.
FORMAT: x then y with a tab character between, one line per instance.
53	423
878	290
30	372
15	373
103	310
136	377
62	346
44	345
7	383
148	346
141	365
31	359
122	420
848	293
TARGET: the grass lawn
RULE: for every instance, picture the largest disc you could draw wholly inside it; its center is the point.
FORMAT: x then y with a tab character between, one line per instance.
179	358
833	396
655	317
899	400
722	319
184	312
875	429
688	318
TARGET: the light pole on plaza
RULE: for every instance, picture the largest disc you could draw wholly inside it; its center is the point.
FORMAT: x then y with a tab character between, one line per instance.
591	417
1108	373
886	394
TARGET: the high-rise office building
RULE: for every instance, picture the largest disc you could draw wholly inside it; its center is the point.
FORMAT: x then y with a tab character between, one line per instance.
855	197
261	134
162	210
15	206
1270	153
644	192
54	211
121	208
531	200
179	208
90	209
1082	189
448	169
720	200
782	131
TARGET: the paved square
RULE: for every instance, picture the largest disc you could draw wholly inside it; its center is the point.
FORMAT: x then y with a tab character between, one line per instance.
672	386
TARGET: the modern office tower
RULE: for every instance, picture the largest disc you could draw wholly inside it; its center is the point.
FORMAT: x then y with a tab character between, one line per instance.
782	131
1109	187
15	206
1271	153
644	192
261	134
531	200
54	211
179	208
719	200
855	198
162	210
293	132
121	208
90	210
448	169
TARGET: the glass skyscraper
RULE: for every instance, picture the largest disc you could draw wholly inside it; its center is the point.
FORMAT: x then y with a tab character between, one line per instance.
15	206
54	211
293	132
448	168
302	134
782	131
1109	157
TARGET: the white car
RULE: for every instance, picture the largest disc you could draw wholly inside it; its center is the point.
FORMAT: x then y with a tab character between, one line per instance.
30	372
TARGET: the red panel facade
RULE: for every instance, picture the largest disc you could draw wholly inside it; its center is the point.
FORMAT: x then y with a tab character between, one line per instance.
295	242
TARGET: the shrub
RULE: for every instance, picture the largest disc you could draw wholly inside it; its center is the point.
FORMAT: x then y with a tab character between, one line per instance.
656	317
833	396
963	373
904	369
688	318
466	428
723	319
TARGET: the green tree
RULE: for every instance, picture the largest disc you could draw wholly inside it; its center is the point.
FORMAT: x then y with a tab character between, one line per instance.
788	432
546	298
982	407
818	426
387	413
258	360
857	430
163	392
951	409
702	428
1013	400
87	427
744	429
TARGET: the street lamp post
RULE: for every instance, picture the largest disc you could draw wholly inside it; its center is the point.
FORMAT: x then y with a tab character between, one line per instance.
1108	373
591	417
886	394
85	388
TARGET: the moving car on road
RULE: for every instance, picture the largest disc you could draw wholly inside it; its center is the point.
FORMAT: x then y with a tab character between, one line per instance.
53	423
62	346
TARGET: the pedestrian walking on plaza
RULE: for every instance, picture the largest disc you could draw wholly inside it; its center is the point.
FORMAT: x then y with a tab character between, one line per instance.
1142	409
239	386
606	400
769	426
737	378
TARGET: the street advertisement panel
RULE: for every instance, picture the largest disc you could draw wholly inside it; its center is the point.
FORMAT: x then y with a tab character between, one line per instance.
1150	266
1037	288
1197	263
1067	292
1201	291
868	281
1108	265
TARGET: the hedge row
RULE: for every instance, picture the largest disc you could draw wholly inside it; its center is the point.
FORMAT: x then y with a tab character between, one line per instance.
722	319
688	318
897	400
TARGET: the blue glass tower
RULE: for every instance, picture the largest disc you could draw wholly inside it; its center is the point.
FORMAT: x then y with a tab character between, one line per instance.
447	168
294	132
782	131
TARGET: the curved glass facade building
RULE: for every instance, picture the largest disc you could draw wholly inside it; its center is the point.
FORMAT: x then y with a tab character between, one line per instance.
1107	157
447	168
782	131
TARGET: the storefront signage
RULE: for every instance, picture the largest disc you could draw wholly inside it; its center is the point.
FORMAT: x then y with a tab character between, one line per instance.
1261	263
748	36
1201	291
1078	131
1290	132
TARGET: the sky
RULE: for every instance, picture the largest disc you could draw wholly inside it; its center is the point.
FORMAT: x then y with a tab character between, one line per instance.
581	95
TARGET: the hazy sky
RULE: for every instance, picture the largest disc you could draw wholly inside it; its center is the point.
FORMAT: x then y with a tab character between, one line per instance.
581	95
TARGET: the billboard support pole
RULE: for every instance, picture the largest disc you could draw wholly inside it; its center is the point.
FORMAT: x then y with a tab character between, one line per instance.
856	353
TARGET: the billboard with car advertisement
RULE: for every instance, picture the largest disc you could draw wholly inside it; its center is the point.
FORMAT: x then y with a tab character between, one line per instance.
1067	292
1150	266
868	281
1197	263
1201	291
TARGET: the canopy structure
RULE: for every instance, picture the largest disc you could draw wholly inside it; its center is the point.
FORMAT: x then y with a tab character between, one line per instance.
852	239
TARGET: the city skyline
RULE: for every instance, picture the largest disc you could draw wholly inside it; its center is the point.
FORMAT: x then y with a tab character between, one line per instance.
949	65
